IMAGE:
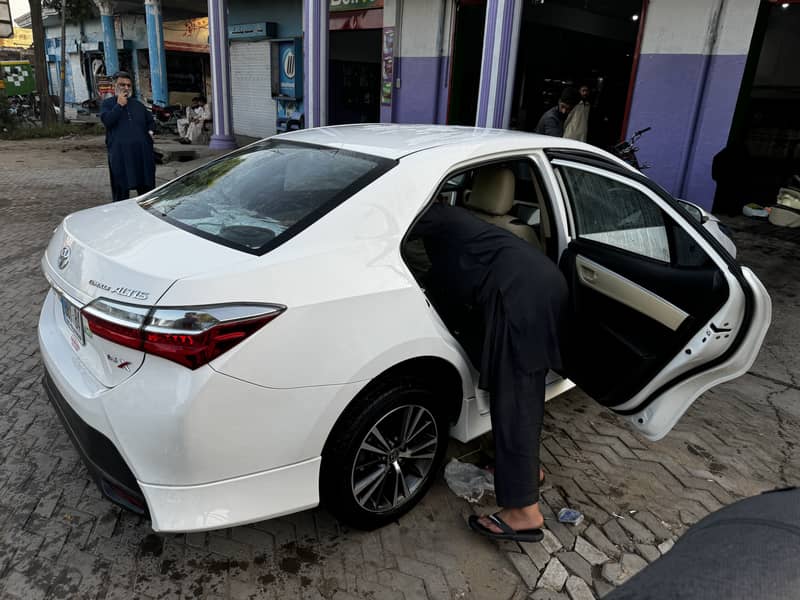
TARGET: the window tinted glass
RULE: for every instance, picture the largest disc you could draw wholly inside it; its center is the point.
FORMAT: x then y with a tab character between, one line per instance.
613	213
255	199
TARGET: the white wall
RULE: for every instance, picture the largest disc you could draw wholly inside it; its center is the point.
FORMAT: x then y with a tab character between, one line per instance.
681	26
420	22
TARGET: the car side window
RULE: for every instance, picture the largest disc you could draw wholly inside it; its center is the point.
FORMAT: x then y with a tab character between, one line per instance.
610	212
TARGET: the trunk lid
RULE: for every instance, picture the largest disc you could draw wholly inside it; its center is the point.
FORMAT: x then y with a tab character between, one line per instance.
123	253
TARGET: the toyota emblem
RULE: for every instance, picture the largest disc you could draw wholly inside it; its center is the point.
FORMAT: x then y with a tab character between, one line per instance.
63	257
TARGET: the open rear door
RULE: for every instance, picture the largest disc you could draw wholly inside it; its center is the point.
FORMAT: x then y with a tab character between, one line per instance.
659	311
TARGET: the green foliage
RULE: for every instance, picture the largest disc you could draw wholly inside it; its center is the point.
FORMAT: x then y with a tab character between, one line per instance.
18	132
77	10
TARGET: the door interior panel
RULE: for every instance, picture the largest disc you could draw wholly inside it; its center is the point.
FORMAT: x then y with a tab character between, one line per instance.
620	289
612	350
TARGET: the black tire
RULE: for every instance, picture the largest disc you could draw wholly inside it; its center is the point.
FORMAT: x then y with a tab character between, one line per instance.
346	464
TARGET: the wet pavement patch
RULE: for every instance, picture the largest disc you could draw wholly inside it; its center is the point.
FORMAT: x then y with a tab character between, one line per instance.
152	545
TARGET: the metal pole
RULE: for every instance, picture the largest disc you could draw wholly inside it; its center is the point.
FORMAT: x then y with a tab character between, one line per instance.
63	69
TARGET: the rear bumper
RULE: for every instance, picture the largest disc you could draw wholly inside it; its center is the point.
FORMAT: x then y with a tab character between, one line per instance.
104	462
214	505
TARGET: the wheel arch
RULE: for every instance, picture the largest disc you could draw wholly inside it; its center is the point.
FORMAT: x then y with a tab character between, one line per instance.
435	372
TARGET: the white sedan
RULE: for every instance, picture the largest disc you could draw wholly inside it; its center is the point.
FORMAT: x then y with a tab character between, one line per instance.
255	336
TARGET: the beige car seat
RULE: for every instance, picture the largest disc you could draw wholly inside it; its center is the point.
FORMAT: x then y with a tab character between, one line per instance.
492	198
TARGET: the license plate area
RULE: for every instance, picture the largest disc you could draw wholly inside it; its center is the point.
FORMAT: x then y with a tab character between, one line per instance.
72	317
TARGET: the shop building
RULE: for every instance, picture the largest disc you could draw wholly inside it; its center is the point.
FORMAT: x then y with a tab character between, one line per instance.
182	53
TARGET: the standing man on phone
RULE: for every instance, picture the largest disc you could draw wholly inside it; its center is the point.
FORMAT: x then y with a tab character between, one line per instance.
129	140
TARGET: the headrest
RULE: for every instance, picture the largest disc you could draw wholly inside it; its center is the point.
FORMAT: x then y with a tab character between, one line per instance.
492	191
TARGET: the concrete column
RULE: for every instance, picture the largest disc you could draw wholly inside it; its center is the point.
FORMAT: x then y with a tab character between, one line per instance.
499	62
109	37
315	61
690	70
156	51
221	106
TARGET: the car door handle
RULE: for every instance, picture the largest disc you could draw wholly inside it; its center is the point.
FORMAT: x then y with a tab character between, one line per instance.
588	274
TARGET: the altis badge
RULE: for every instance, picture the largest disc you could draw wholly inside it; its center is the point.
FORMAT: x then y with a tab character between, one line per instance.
123	291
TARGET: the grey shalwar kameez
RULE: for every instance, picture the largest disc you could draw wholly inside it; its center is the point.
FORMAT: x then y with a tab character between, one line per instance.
519	294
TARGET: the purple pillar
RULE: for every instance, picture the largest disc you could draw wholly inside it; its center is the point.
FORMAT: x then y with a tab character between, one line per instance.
221	106
499	62
315	61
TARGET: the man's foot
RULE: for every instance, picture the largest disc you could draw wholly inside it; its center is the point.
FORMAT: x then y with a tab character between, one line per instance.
515	524
519	519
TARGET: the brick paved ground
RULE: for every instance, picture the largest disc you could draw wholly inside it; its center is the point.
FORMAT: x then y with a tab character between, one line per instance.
60	539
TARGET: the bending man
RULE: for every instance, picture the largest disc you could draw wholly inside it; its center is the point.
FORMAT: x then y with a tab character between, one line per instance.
519	296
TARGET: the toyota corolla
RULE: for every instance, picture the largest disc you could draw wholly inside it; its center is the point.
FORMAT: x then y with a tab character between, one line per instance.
256	336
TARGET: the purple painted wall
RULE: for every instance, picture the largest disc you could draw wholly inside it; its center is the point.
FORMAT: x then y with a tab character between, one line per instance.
713	127
666	86
415	100
666	90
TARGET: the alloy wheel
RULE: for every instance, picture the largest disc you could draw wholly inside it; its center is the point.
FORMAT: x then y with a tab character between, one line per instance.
395	458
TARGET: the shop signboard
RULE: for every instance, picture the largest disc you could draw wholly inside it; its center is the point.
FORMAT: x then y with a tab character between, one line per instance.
253	31
345	5
187	35
18	77
22	39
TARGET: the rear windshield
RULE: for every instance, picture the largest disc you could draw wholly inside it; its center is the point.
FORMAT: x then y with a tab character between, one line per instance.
257	198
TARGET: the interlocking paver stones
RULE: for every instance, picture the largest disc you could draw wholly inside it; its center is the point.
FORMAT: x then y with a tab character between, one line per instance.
602	587
578	589
665	547
575	564
650	553
616	534
554	576
550	542
537	553
525	567
736	440
545	594
589	553
612	572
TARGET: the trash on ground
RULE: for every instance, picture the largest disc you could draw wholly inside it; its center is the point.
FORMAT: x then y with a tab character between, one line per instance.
468	481
755	210
570	515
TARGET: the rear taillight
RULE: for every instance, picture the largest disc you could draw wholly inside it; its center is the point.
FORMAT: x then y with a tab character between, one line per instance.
189	336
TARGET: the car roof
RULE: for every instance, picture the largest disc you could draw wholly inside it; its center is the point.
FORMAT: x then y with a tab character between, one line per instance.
394	141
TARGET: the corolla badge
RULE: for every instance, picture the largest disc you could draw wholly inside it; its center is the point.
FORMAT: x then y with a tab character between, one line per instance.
63	257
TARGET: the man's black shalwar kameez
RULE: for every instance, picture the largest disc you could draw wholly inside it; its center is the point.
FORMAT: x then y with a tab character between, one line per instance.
520	295
130	147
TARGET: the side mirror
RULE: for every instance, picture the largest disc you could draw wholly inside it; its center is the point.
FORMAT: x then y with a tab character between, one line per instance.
693	210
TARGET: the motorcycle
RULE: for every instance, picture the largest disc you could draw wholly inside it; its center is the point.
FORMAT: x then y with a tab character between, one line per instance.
166	118
627	150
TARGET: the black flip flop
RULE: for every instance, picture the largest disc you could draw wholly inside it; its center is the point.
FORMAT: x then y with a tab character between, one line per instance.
523	535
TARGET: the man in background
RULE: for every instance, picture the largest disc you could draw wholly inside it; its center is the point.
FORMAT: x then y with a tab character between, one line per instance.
552	121
129	140
576	126
183	122
201	114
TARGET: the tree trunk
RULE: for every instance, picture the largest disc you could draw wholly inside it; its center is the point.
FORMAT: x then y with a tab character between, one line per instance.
47	114
63	69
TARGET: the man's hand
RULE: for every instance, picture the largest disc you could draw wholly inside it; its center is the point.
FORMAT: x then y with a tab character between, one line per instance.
122	99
